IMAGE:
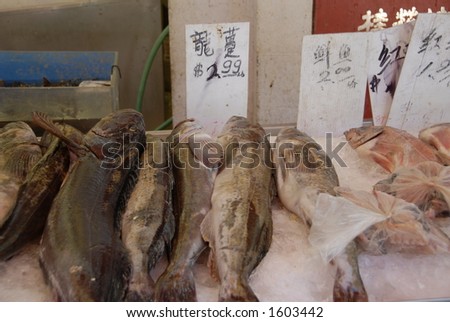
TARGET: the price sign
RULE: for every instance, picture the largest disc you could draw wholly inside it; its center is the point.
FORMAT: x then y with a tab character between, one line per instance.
386	53
423	93
333	83
216	73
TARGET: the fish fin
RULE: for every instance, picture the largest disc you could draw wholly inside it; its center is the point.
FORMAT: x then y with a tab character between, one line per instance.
140	288
212	265
22	160
169	227
176	285
42	120
110	273
205	149
348	285
208	236
382	161
239	292
206	228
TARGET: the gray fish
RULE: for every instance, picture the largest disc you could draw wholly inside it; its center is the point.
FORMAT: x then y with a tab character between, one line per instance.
303	172
238	227
148	224
27	219
191	201
81	254
19	151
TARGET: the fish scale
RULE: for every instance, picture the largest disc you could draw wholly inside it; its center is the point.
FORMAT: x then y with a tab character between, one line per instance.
193	184
81	253
299	185
238	227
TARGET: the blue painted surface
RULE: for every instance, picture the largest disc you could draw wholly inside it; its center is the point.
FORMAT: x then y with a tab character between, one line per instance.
30	67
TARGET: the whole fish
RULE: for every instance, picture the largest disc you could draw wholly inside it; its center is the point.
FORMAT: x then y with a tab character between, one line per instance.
238	227
193	185
27	219
438	136
81	254
427	185
391	148
303	171
148	223
19	151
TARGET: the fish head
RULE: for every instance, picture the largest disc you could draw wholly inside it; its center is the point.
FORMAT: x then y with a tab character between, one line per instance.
183	130
302	162
241	129
359	135
202	146
122	130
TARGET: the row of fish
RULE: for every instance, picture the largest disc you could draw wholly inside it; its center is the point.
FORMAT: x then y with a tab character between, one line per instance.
110	203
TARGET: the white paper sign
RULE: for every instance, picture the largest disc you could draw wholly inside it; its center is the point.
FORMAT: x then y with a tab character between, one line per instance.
386	53
216	73
333	83
422	97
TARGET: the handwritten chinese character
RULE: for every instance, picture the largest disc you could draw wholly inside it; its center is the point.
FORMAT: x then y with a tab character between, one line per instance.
322	53
344	53
230	43
426	41
201	43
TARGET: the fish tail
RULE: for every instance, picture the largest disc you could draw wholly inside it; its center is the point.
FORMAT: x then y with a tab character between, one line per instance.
176	285
141	288
139	296
241	292
348	284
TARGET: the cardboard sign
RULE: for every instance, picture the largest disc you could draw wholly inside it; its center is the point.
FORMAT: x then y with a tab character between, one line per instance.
216	73
386	54
333	83
423	93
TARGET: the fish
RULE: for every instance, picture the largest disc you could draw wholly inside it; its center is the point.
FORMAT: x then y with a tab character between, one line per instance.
81	254
303	172
27	219
438	136
404	228
19	151
238	227
148	223
193	186
427	185
390	147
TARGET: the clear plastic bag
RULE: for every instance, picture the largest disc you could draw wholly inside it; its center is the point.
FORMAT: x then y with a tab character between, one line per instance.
380	223
427	185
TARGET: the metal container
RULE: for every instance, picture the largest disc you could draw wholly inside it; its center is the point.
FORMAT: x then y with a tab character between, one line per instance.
49	82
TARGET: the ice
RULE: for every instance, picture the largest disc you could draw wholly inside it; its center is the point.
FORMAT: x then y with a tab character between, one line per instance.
292	270
21	278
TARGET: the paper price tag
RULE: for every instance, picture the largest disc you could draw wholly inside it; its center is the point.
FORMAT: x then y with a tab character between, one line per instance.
333	83
216	73
386	54
423	93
